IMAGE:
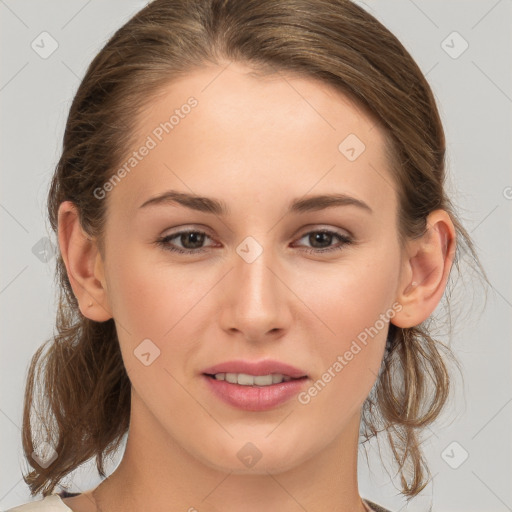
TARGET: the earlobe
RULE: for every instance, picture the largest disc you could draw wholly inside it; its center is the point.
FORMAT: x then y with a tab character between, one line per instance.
83	264
426	270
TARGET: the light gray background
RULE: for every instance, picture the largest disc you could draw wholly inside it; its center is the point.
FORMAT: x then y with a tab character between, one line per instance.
474	94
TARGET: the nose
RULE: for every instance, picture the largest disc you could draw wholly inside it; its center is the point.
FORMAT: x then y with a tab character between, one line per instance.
256	299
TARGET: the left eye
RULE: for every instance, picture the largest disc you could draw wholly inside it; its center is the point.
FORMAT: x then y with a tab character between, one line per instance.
195	239
326	235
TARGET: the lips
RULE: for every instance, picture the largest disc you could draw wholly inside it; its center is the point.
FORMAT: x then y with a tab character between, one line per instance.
265	367
257	397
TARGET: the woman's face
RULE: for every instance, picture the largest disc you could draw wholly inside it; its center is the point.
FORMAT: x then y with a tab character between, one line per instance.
261	281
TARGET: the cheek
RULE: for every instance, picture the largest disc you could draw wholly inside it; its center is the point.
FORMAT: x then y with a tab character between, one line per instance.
354	305
154	301
148	295
351	298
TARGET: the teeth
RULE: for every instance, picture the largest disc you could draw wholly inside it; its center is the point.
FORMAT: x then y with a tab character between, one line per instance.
251	380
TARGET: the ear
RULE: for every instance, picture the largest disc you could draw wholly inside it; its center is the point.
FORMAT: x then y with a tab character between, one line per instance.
425	270
84	264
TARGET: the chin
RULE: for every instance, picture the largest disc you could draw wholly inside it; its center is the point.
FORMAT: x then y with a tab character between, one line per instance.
255	457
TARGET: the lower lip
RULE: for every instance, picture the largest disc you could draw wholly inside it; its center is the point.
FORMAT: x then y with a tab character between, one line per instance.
255	398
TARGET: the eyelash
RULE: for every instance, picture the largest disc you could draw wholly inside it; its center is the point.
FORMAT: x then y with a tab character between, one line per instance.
164	242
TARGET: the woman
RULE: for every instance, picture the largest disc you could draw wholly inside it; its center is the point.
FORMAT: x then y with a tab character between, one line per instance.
253	233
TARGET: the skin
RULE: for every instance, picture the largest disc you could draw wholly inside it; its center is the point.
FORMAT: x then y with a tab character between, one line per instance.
257	144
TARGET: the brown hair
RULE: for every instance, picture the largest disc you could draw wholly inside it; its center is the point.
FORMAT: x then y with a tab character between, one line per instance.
81	375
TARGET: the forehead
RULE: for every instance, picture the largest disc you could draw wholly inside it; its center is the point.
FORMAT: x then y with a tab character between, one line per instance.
221	129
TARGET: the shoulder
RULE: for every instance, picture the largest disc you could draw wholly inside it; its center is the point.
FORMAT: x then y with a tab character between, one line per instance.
373	507
51	503
54	503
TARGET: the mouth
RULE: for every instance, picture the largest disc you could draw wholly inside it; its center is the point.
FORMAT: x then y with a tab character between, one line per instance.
254	385
255	393
244	379
247	373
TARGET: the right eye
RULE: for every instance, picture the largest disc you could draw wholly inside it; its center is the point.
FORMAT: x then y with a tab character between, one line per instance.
192	237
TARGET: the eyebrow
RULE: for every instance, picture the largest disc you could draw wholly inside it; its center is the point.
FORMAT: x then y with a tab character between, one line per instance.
218	207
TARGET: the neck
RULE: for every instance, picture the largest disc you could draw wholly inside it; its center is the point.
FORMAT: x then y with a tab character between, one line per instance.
158	474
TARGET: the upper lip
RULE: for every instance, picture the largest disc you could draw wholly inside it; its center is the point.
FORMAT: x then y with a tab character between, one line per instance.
265	367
